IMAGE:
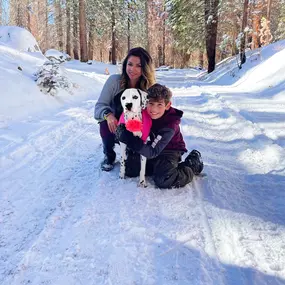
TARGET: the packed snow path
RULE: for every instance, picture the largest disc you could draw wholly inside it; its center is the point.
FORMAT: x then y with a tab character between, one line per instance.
63	221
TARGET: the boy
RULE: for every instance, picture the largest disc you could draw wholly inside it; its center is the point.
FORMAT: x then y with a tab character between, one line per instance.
166	147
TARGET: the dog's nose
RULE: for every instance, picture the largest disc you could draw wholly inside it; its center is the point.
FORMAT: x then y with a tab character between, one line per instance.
129	106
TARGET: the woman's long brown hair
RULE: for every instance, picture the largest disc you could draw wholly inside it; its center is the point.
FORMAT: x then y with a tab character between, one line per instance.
147	78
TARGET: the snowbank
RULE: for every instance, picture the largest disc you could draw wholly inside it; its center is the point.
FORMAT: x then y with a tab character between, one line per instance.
21	98
53	54
19	39
228	73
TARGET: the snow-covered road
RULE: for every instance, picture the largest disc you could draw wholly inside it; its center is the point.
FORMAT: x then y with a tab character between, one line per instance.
63	221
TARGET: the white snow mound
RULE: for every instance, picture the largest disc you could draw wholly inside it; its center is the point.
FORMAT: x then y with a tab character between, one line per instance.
53	54
18	38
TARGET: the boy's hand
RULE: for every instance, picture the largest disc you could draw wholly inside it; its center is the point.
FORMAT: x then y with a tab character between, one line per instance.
127	137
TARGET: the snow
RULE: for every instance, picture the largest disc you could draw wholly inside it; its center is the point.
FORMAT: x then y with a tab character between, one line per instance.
59	56
64	221
18	38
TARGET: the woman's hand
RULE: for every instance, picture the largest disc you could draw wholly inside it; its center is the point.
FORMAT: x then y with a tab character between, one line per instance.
112	123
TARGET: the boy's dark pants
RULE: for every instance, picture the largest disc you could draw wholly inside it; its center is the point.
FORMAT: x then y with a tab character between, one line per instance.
166	169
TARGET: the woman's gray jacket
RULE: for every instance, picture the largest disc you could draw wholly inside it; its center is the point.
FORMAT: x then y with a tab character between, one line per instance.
105	103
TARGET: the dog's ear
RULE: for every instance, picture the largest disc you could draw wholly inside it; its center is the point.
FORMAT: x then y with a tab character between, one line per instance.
144	98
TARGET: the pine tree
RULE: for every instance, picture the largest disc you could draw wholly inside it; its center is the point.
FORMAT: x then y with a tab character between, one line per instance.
50	78
279	34
18	13
264	33
230	18
186	19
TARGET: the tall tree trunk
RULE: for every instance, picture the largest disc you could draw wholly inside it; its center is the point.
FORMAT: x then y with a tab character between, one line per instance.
146	25
113	23
256	17
211	22
68	28
243	26
163	36
32	10
159	55
82	29
91	40
1	12
46	26
201	57
163	44
29	12
186	58
128	27
29	21
18	13
173	56
59	25
256	26
75	29
268	14
235	32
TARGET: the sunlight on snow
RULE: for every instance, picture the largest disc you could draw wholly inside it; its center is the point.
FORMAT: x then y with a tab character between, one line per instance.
263	160
218	126
247	229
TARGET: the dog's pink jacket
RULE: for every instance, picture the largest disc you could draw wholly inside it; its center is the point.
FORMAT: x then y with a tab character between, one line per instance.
146	124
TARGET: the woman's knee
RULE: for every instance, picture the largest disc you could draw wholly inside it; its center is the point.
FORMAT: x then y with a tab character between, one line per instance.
104	129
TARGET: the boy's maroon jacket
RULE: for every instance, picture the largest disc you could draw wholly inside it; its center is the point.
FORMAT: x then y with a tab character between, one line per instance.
165	136
169	126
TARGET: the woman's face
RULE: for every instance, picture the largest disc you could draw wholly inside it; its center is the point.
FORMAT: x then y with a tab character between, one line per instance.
134	68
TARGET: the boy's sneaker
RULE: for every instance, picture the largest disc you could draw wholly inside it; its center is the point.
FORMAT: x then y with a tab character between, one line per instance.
194	161
107	164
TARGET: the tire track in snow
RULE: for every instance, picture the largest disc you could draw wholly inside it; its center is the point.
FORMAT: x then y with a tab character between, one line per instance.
233	245
61	212
34	153
17	142
210	248
236	113
43	191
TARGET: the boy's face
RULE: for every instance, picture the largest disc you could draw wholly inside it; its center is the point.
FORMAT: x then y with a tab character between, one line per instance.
156	109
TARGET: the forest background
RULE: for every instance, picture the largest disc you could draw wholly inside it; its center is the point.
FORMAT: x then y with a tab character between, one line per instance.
177	33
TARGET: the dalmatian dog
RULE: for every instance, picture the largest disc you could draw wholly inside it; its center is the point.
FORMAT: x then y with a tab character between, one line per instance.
134	102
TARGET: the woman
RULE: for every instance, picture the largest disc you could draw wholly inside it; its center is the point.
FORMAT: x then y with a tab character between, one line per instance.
137	72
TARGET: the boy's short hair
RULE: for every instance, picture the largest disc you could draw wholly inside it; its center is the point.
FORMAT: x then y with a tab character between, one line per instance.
159	92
